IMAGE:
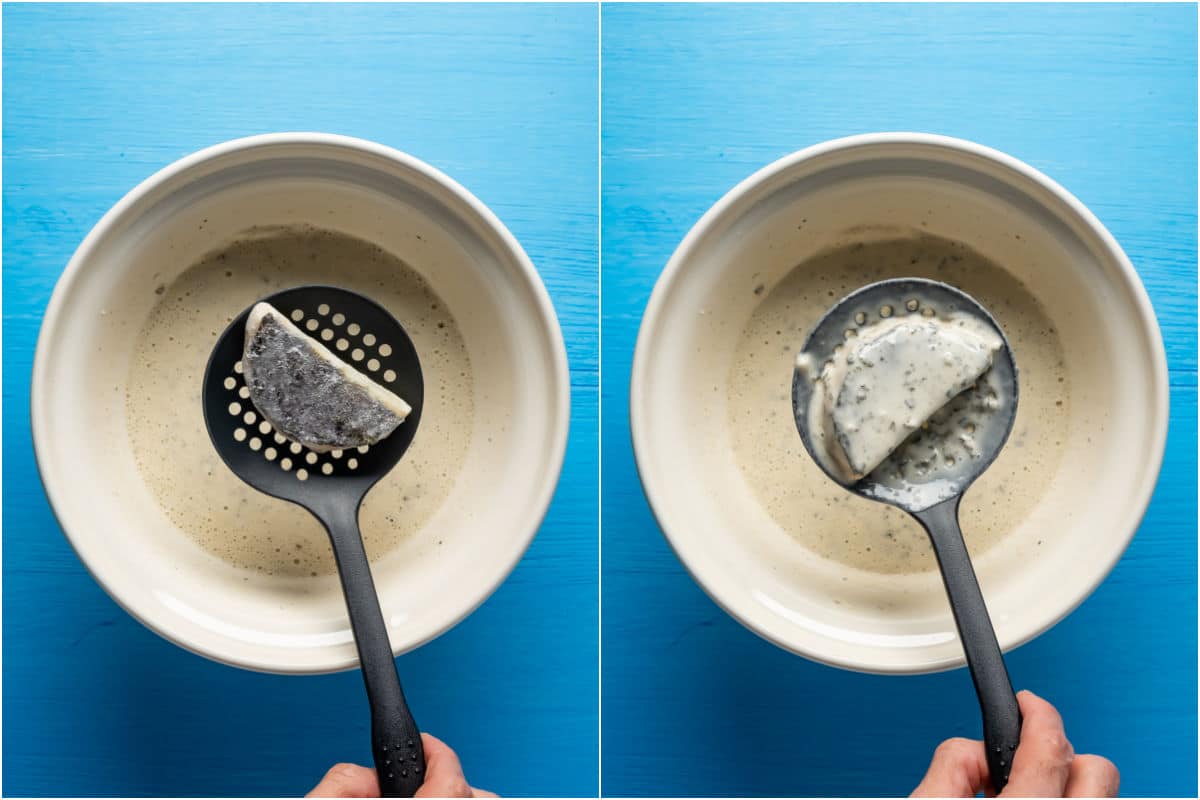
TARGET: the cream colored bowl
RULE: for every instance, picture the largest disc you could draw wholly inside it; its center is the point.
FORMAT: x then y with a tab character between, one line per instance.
857	187
498	499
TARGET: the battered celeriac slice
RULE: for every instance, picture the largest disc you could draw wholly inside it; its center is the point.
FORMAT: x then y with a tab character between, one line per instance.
891	378
307	393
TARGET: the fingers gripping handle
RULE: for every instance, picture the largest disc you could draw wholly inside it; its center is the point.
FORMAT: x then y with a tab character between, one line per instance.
395	738
998	704
399	756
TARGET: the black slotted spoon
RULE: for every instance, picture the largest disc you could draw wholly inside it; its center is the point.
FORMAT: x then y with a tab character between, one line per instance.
933	499
332	485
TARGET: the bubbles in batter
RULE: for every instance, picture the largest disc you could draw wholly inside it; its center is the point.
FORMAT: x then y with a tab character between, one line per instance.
806	503
247	528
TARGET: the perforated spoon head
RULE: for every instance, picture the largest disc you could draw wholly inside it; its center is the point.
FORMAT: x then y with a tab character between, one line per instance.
893	482
349	325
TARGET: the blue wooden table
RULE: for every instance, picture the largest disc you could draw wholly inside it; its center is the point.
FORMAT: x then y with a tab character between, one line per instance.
97	98
1103	99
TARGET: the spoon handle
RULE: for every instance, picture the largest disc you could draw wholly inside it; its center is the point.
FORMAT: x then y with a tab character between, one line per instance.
395	738
1001	714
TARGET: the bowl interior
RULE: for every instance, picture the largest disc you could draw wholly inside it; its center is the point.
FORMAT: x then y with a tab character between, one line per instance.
429	580
874	192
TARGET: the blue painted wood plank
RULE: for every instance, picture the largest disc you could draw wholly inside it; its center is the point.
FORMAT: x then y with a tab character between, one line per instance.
504	99
695	97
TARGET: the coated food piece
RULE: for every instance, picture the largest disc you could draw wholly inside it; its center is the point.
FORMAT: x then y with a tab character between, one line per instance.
307	393
893	377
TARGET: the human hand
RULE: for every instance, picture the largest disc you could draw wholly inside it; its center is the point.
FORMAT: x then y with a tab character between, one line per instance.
443	777
1044	765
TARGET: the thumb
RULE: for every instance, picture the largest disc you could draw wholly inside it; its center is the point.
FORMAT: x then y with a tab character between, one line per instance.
958	769
443	773
1042	764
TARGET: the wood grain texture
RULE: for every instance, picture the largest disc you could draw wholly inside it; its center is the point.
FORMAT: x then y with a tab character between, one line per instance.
1103	99
503	99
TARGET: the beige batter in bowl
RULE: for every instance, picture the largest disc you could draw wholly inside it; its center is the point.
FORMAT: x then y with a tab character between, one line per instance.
710	431
505	409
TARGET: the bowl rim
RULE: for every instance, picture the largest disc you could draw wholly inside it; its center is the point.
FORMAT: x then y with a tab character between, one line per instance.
648	331
543	307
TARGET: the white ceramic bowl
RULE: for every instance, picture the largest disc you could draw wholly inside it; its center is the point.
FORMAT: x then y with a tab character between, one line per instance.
157	573
1112	346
